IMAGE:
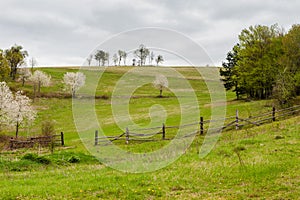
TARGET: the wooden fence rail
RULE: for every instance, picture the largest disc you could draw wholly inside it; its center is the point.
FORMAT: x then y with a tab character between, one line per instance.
236	123
16	143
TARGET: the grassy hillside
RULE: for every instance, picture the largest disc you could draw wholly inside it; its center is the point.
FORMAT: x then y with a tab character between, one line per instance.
260	162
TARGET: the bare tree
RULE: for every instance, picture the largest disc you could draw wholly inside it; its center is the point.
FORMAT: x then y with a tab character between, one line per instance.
122	55
102	57
151	57
133	62
142	53
89	60
32	63
159	59
115	59
106	58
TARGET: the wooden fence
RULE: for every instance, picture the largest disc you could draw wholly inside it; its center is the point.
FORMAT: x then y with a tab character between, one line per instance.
233	122
57	140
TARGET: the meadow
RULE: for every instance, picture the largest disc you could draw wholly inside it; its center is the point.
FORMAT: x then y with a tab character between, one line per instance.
256	162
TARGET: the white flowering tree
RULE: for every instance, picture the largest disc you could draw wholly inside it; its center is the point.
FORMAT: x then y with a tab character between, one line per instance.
15	110
39	79
6	98
160	82
22	113
24	74
74	81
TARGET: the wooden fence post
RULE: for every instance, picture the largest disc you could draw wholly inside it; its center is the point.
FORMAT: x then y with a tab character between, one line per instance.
127	135
201	126
62	138
237	119
96	138
163	131
274	114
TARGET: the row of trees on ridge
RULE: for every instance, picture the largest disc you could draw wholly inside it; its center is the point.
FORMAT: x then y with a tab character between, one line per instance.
141	55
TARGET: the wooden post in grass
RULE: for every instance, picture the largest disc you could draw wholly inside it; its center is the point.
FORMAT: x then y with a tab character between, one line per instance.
237	119
127	135
96	138
163	131
274	113
201	126
62	139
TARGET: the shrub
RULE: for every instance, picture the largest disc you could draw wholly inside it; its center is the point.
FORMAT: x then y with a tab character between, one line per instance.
30	156
36	158
43	160
48	128
74	159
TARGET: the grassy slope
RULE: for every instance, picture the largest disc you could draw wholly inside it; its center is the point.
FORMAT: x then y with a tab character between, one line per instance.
269	167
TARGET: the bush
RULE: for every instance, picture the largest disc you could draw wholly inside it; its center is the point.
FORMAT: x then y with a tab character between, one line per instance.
30	156
36	158
43	160
48	128
74	159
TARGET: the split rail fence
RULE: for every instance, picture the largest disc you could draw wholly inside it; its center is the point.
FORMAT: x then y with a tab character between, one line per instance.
233	122
43	141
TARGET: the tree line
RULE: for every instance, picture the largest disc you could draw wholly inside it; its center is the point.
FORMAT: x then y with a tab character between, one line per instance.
142	55
264	64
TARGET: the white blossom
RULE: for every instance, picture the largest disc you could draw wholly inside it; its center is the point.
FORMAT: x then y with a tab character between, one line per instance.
40	79
74	81
15	110
22	113
6	98
160	83
25	74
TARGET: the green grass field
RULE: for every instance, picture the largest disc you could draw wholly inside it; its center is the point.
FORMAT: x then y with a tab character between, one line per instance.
253	163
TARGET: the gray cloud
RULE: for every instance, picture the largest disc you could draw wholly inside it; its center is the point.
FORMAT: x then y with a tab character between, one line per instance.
64	32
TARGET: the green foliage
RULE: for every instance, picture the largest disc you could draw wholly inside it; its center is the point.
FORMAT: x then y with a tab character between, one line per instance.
229	72
38	159
30	156
291	43
284	90
265	64
74	159
43	160
268	168
16	58
48	127
297	82
290	60
258	61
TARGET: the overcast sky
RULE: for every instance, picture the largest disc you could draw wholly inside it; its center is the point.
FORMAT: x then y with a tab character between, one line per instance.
61	32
